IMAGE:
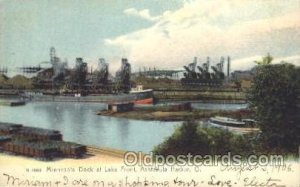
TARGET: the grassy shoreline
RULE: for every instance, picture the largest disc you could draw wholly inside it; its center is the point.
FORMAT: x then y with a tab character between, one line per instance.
200	95
162	113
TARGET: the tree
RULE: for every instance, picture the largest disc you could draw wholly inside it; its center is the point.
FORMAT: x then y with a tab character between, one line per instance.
274	97
183	141
195	139
265	60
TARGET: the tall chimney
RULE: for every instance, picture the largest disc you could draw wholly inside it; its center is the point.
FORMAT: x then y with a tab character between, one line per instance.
228	66
207	63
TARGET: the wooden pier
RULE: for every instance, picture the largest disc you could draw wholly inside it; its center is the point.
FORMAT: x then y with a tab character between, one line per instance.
105	151
12	102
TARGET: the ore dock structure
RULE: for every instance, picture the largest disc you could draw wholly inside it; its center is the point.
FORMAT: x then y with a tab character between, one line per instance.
204	76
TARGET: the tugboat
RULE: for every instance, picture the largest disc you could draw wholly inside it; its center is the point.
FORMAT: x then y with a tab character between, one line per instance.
142	96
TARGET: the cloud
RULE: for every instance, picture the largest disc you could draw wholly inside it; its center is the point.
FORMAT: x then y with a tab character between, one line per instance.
248	63
142	14
240	29
291	59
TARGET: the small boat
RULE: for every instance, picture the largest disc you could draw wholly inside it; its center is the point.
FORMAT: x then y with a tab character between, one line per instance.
225	121
241	126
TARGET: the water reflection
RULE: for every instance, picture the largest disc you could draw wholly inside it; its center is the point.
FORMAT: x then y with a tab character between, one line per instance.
219	106
78	122
209	106
124	132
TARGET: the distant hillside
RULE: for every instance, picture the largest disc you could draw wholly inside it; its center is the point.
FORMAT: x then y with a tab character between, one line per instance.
18	81
3	79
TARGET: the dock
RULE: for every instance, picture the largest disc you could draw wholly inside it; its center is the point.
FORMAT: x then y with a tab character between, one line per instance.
12	102
105	151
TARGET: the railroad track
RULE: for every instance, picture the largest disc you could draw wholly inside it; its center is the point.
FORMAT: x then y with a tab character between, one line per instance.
106	151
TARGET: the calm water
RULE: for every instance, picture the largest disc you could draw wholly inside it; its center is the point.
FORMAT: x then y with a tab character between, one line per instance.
217	106
210	106
78	122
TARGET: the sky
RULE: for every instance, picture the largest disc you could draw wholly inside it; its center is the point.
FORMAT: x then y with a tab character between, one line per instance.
165	34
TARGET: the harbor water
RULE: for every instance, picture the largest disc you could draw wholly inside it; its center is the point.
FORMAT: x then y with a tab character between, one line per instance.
78	122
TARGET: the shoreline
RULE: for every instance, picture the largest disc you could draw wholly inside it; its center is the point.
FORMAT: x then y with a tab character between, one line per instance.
93	153
214	101
157	114
160	101
205	96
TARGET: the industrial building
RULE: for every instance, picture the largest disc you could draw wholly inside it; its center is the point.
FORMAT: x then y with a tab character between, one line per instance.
204	76
157	73
78	79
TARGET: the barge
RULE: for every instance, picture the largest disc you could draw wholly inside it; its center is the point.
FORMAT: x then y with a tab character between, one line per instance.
37	142
137	96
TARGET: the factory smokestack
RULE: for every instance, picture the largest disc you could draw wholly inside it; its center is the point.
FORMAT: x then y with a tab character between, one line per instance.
228	66
52	55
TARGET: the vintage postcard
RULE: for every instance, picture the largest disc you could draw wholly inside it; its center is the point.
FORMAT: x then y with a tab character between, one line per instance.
162	93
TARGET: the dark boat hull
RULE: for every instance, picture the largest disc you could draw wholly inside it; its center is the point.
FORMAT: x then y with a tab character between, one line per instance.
143	97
